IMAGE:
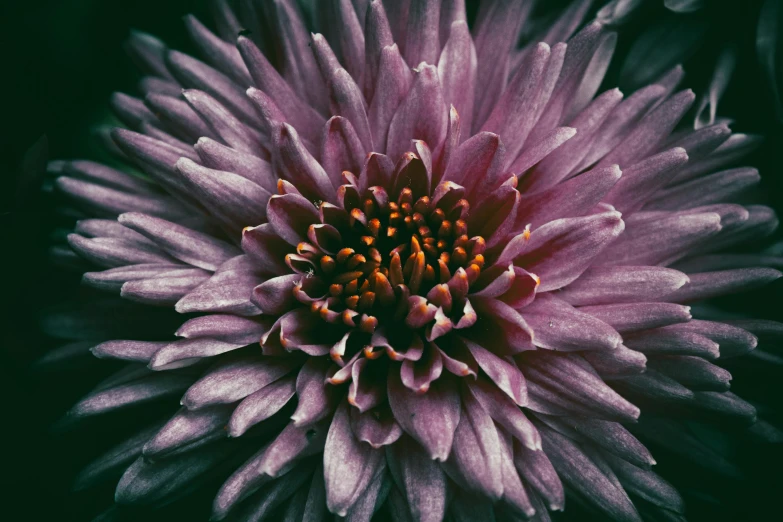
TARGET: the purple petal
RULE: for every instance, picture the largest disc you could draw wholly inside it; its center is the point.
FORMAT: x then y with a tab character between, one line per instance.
376	427
421	115
188	352
457	68
475	459
293	162
261	405
134	351
195	248
600	489
266	249
712	284
650	131
266	78
617	363
147	482
536	469
290	217
572	198
349	465
430	418
643	179
558	326
477	163
565	381
136	391
341	149
315	397
377	36
506	325
616	284
225	159
195	74
422	43
392	85
228	291
420	479
514	493
503	373
506	413
235	379
187	430
570	245
230	198
633	317
223	327
346	100
275	296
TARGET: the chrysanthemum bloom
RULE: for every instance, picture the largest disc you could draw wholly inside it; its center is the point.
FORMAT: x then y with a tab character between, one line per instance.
421	270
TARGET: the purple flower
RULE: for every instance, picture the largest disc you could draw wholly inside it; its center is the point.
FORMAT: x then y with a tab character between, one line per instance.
422	270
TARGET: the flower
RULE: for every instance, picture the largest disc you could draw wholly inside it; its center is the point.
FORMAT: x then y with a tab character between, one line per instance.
468	272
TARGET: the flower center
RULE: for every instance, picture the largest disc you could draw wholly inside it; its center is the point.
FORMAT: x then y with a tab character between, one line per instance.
391	258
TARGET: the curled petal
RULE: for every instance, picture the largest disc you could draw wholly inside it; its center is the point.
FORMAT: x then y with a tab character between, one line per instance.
376	427
418	375
275	296
290	217
315	397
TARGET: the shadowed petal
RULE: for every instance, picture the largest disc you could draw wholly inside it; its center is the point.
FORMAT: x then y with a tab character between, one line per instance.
147	482
187	430
261	405
421	480
376	427
505	324
536	469
597	485
232	199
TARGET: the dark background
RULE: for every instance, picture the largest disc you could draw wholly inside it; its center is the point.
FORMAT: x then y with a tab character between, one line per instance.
61	59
